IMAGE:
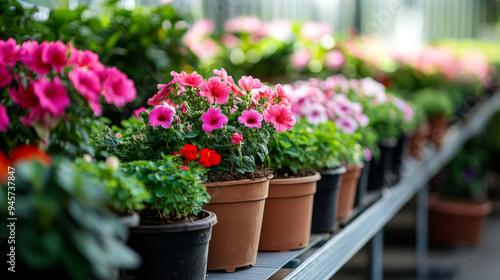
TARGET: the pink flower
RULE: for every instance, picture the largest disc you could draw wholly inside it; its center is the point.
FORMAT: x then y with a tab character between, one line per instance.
85	58
42	118
183	167
162	115
192	80
183	107
282	94
9	52
213	119
368	154
334	60
362	119
137	111
88	84
25	98
116	87
222	74
54	54
280	116
230	41
52	95
408	113
237	138
33	57
4	119
249	83
300	59
316	114
217	89
5	76
342	105
348	125
165	89
251	119
315	30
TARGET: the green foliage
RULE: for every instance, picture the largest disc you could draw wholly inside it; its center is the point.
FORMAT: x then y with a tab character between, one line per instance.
434	102
176	192
386	119
126	193
18	23
63	222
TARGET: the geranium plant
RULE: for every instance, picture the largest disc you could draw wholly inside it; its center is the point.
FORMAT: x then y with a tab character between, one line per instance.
52	93
234	120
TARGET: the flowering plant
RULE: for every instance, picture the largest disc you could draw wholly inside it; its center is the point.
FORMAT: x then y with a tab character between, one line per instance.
236	121
52	92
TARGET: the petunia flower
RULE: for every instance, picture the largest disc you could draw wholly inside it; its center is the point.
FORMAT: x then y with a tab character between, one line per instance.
54	54
116	87
5	76
248	83
214	88
88	84
237	138
33	57
10	52
86	58
213	119
251	119
164	90
137	111
52	95
24	97
4	118
316	114
280	116
162	115
347	124
192	80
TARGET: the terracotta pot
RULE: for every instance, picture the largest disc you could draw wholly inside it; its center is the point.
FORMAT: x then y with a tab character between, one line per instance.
288	213
418	139
326	199
239	206
453	223
347	191
438	127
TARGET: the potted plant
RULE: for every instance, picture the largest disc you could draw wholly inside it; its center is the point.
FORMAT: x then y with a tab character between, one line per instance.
458	208
63	228
438	107
233	123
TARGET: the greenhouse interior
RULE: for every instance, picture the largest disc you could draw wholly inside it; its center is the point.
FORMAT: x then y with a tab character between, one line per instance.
249	140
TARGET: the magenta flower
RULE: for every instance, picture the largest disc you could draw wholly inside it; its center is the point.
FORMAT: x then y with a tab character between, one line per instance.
222	74
116	87
86	59
164	90
4	119
88	84
33	57
52	95
248	83
215	89
54	54
368	154
348	125
5	76
280	116
237	138
316	114
213	119
137	111
40	117
192	80
9	52
251	119
162	115
25	98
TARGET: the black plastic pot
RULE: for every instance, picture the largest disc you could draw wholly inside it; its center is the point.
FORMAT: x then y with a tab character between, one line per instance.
177	251
380	167
397	157
362	184
325	200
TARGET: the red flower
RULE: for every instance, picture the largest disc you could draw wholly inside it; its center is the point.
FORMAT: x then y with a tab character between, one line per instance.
30	152
183	167
189	152
176	153
209	157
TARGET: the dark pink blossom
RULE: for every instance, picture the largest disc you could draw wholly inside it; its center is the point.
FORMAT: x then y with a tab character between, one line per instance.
24	97
192	80
213	119
222	74
86	59
5	76
33	57
251	119
4	118
52	95
116	87
162	115
54	54
10	52
40	117
88	84
214	88
165	89
280	116
237	138
137	111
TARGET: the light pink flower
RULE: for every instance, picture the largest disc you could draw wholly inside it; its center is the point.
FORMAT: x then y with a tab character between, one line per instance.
9	52
217	89
342	105
280	116
362	119
52	95
315	30
88	84
248	83
264	92
5	76
334	60
368	154
300	59
192	80
347	124
246	24
4	119
213	119
137	111
237	138
54	54
316	114
25	98
251	118
162	115
222	74
281	93
116	87
230	41
33	57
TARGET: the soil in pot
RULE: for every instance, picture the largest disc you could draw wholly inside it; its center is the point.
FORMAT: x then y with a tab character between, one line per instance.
379	167
174	251
239	206
288	213
347	191
454	223
325	200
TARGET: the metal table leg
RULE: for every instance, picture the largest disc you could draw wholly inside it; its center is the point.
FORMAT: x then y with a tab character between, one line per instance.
421	249
377	256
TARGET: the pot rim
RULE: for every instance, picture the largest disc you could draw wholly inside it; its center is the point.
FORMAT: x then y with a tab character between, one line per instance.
297	180
354	166
481	209
235	182
336	171
200	224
